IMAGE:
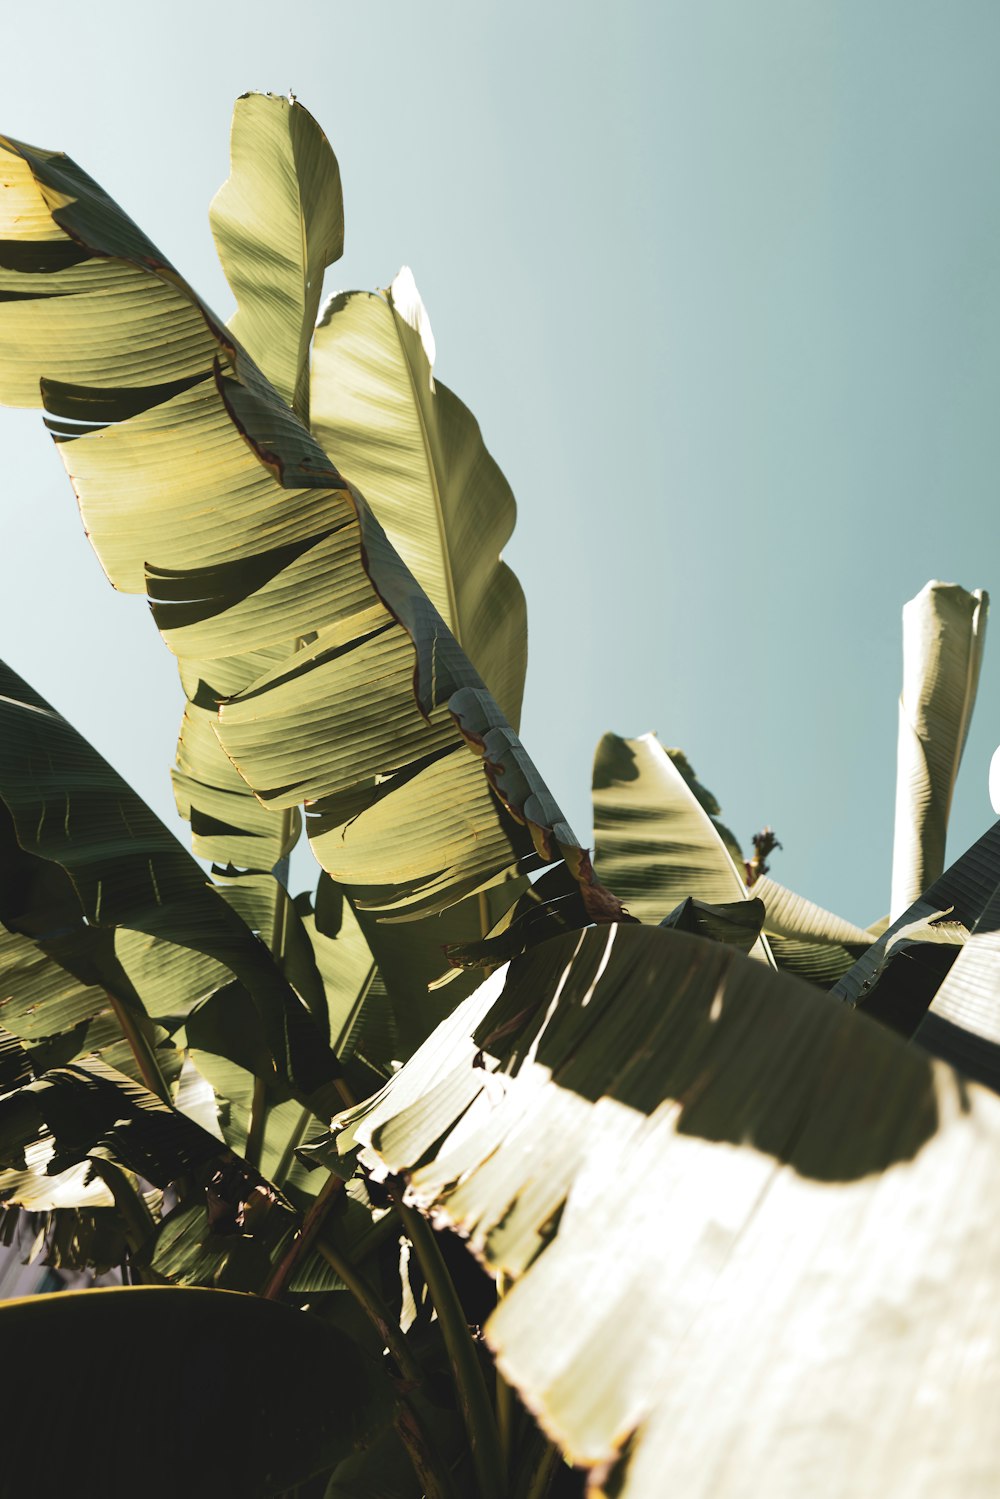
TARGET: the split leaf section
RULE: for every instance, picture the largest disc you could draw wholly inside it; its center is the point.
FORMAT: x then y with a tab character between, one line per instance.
195	478
827	1194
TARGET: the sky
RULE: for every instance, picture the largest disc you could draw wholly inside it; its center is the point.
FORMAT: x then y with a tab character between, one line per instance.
720	282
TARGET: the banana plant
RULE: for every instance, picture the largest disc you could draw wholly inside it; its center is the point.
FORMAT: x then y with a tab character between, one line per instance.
277	587
720	1216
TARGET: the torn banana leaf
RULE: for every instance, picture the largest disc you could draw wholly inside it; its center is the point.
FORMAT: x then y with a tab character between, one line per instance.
944	630
35	1190
75	1127
185	458
67	1238
734	1213
89	1105
65	991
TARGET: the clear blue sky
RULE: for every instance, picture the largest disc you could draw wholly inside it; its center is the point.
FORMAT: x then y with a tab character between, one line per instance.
721	282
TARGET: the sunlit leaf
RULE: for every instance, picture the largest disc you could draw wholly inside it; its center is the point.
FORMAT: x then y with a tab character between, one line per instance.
735	1214
416	453
278	223
656	842
944	629
89	855
192	474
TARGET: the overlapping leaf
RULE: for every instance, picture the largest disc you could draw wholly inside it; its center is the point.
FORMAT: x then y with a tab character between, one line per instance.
896	982
660	841
90	859
805	939
278	223
417	454
655	838
735	1213
253	539
83	1135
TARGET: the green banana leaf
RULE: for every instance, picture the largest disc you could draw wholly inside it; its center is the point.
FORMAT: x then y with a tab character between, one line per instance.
278	223
805	939
734	1212
191	462
659	840
90	857
276	1401
417	454
656	842
944	630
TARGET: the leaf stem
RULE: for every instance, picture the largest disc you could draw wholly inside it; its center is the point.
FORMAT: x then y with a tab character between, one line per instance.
286	1162
254	1148
141	1046
470	1386
433	1476
260	1105
540	1476
136	1217
504	1400
390	1333
311	1225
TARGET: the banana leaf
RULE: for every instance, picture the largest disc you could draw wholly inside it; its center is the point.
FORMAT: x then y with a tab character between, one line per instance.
962	1023
278	223
655	840
897	982
735	1213
184	457
417	454
944	631
660	840
84	859
805	939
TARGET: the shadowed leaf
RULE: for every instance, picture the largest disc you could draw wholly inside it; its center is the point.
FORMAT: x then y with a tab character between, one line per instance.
221	1364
